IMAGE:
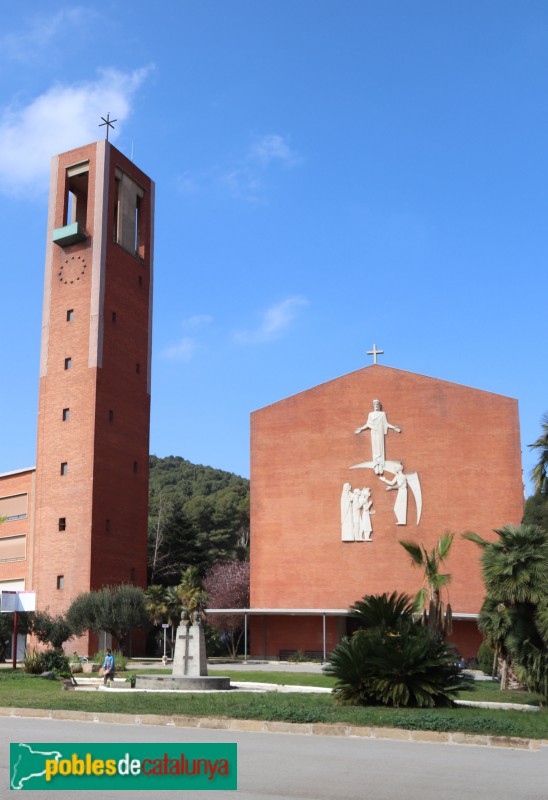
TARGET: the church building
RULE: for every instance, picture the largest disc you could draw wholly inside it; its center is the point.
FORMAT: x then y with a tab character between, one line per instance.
343	472
78	520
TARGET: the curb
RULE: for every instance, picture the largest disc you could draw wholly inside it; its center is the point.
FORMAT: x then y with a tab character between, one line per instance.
263	726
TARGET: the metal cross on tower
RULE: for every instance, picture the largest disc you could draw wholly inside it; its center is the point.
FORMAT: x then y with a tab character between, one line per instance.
374	352
108	122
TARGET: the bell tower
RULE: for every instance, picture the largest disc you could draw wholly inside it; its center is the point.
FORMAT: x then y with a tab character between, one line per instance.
91	502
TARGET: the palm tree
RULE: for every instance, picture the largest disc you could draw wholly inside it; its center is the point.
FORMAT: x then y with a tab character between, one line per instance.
539	473
514	615
155	604
191	592
438	617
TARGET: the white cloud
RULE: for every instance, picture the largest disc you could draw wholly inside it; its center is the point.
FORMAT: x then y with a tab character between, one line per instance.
272	147
184	350
274	321
62	118
244	178
198	321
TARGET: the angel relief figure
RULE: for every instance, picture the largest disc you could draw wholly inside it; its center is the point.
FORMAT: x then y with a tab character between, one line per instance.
400	482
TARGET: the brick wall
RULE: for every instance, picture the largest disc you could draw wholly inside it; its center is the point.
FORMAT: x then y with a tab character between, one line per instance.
464	444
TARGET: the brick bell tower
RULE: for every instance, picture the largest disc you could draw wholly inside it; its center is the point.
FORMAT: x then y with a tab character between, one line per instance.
91	503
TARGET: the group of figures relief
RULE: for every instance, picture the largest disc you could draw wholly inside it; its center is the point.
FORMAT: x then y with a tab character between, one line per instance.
356	504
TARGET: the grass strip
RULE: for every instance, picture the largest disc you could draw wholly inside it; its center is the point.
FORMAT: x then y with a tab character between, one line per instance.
28	691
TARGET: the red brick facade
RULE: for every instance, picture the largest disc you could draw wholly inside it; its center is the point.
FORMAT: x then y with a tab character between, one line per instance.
18	485
91	492
463	443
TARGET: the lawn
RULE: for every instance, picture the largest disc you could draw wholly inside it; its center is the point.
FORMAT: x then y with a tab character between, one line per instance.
20	690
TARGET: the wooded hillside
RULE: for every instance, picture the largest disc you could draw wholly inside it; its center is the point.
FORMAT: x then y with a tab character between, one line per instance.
197	516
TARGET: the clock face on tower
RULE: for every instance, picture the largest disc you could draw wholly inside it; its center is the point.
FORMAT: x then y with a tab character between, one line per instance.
72	269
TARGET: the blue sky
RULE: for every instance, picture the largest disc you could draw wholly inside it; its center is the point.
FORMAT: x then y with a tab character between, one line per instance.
329	175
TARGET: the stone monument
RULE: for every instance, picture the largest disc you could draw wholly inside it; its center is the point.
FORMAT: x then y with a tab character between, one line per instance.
189	662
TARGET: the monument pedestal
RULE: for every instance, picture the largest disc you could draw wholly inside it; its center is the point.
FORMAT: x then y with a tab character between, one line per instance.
189	664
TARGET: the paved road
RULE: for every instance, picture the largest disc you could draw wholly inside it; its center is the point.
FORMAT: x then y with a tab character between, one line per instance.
295	767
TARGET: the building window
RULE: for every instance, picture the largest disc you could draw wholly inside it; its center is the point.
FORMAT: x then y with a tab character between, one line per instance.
68	363
107	526
60	581
66	414
114	316
135	466
14	506
70	315
64	468
140	280
138	368
110	415
133	574
62	523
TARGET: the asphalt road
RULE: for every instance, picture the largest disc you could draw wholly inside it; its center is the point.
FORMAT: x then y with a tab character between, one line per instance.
294	767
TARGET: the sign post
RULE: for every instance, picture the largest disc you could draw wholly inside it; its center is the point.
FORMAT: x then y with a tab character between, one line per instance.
165	626
14	602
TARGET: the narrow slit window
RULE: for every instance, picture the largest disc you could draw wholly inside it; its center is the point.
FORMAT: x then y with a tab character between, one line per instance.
66	414
68	363
70	315
133	574
138	368
107	526
64	468
62	523
135	466
114	316
110	415
60	581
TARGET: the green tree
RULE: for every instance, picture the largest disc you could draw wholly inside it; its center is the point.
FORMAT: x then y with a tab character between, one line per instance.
514	615
191	592
51	630
539	473
428	600
156	604
115	609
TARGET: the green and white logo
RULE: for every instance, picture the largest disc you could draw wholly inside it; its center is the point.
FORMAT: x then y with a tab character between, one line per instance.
123	766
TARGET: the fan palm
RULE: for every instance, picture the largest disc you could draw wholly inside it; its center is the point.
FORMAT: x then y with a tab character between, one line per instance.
155	604
539	473
514	615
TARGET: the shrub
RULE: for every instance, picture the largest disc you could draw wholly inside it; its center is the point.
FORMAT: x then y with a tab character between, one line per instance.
33	662
55	660
297	657
486	656
397	662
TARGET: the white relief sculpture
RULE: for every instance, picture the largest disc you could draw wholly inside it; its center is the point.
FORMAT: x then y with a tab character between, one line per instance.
379	426
347	523
355	514
365	503
401	481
